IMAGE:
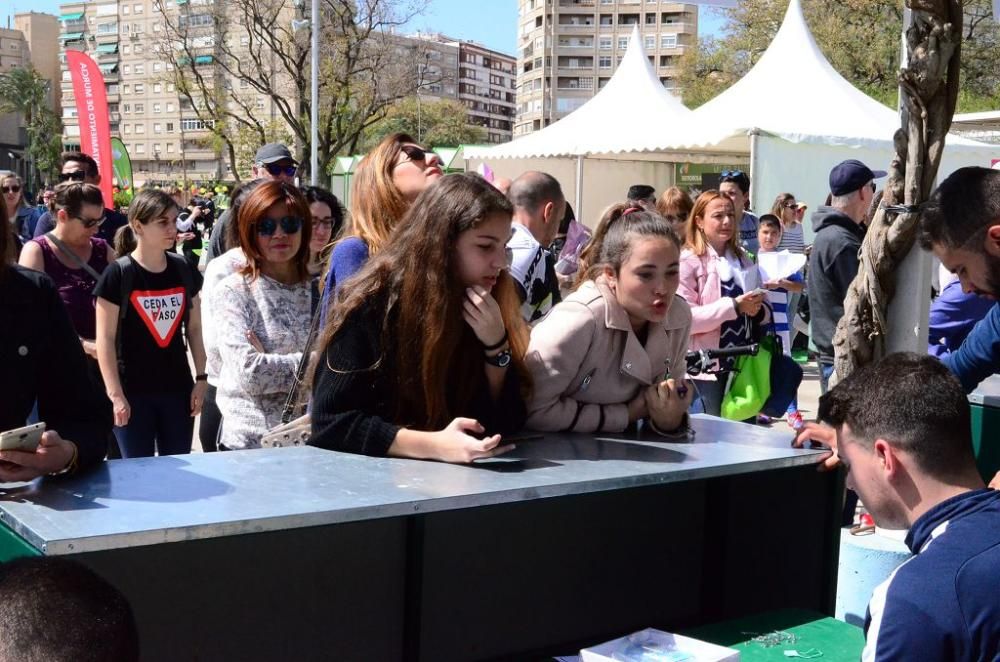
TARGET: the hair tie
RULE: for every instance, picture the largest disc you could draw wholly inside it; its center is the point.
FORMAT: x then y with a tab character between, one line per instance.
630	210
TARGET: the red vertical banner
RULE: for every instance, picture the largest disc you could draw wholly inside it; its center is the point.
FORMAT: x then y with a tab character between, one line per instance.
92	111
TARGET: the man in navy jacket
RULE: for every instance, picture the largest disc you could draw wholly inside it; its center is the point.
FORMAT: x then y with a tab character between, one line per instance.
903	430
961	224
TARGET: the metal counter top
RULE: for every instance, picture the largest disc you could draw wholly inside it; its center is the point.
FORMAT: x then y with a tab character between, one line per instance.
987	393
127	503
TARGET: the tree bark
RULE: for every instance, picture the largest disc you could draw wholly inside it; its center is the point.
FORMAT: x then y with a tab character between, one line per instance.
929	85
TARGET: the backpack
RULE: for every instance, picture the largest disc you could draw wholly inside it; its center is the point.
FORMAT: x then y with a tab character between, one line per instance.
128	282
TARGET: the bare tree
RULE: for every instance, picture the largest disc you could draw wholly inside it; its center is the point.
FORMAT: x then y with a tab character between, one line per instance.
930	87
256	53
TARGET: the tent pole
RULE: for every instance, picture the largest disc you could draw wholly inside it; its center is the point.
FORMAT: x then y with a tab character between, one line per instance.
754	170
579	189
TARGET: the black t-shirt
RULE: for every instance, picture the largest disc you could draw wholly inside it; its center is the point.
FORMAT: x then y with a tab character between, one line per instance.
152	340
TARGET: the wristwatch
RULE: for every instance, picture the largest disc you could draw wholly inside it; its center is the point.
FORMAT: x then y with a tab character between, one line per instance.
501	360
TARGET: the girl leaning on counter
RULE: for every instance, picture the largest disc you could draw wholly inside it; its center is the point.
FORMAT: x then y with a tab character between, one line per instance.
612	353
422	355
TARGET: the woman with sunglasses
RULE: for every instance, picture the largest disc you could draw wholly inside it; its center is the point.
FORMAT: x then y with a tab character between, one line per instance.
73	257
144	300
386	183
327	223
788	212
262	315
390	378
674	206
612	353
22	216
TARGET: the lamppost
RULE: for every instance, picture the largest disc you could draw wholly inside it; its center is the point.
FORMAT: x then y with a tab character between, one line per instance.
314	25
421	69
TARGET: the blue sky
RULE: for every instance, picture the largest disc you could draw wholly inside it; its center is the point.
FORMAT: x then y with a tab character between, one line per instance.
490	22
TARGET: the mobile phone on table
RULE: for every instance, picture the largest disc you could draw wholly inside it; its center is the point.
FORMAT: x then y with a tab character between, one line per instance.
22	439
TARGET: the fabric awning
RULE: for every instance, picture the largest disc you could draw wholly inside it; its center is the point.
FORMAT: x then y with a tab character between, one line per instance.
107	48
72	36
76	16
203	59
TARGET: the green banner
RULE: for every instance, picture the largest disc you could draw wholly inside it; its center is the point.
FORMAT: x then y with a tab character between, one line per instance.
122	164
702	176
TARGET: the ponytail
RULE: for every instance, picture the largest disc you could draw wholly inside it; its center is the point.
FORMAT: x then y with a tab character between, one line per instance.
125	241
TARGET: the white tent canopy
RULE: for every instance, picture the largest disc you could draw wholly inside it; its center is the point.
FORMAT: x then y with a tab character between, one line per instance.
633	112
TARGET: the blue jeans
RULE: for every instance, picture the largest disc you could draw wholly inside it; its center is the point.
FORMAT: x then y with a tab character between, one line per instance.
159	422
709	395
825	371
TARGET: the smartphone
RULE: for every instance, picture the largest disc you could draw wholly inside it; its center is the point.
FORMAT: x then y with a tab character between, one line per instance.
22	439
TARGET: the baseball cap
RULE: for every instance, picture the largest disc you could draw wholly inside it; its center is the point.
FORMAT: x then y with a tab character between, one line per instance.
272	153
850	175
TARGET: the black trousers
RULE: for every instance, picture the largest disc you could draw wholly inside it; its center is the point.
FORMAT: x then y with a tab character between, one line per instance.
211	420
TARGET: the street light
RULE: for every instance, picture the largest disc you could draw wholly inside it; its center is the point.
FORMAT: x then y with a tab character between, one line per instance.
421	69
314	24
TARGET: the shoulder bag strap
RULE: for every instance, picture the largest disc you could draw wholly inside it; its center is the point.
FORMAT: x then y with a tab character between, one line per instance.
293	393
73	256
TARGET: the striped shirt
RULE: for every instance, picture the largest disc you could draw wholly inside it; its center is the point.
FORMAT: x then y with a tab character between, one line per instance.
793	239
735	332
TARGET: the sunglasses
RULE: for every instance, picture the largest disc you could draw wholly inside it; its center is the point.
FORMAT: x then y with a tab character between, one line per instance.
413	153
289	225
790	205
731	173
89	222
11	189
874	188
77	176
275	169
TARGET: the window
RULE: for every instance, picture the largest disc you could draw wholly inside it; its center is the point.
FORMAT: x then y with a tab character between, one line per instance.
140	88
126	88
195	125
170	87
140	108
126	68
605	43
157	88
170	129
649	42
140	69
244	41
260	103
137	9
127	108
113	88
622	43
137	49
668	41
124	10
140	128
170	109
126	128
156	108
244	83
157	66
604	62
650	19
170	148
126	49
140	148
156	148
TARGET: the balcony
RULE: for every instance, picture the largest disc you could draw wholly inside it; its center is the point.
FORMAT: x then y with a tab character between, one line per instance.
577	3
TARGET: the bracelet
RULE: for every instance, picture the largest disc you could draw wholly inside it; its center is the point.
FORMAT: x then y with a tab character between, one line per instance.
682	431
498	345
71	465
201	378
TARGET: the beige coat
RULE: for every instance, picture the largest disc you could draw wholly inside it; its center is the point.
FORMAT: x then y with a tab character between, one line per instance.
587	363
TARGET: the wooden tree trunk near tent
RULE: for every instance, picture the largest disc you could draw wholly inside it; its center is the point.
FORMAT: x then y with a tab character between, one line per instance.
929	91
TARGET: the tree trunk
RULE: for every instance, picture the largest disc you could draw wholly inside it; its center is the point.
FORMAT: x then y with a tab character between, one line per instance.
929	89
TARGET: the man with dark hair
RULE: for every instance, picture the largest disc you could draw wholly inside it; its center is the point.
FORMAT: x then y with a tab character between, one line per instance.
80	167
833	262
902	427
272	161
539	207
642	196
735	185
57	610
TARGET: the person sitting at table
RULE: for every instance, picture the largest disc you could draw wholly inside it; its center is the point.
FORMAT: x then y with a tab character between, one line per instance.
614	351
54	609
42	361
423	353
902	428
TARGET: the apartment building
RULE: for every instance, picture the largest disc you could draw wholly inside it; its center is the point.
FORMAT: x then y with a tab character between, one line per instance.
482	79
32	41
165	137
568	49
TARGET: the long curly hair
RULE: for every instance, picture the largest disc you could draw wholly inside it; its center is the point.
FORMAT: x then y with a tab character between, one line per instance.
439	360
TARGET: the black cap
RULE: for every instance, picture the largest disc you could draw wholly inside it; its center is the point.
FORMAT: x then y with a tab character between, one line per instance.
850	175
272	153
640	192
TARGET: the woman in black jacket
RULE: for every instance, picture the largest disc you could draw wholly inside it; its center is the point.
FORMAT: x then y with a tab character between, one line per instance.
422	355
41	360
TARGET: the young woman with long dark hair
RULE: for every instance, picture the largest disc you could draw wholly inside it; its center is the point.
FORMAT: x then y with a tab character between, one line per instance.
423	354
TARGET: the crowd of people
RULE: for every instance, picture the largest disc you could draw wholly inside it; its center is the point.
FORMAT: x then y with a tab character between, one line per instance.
438	315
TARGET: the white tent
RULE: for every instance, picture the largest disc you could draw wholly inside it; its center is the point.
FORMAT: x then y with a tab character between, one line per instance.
798	118
633	117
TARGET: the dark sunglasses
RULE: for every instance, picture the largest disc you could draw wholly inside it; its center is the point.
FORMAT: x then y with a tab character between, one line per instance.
89	222
731	173
289	224
276	169
414	153
77	176
790	205
874	188
11	189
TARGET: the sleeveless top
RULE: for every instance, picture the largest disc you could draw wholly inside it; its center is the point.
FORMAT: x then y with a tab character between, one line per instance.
75	285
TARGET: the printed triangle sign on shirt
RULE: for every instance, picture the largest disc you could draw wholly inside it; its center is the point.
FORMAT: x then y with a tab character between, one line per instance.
161	310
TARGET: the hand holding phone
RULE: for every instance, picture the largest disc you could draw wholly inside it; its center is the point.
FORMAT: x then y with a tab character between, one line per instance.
22	439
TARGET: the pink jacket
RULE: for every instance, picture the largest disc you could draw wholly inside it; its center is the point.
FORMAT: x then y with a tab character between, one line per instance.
702	289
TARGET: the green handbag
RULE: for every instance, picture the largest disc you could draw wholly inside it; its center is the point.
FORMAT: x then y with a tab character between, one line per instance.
750	386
